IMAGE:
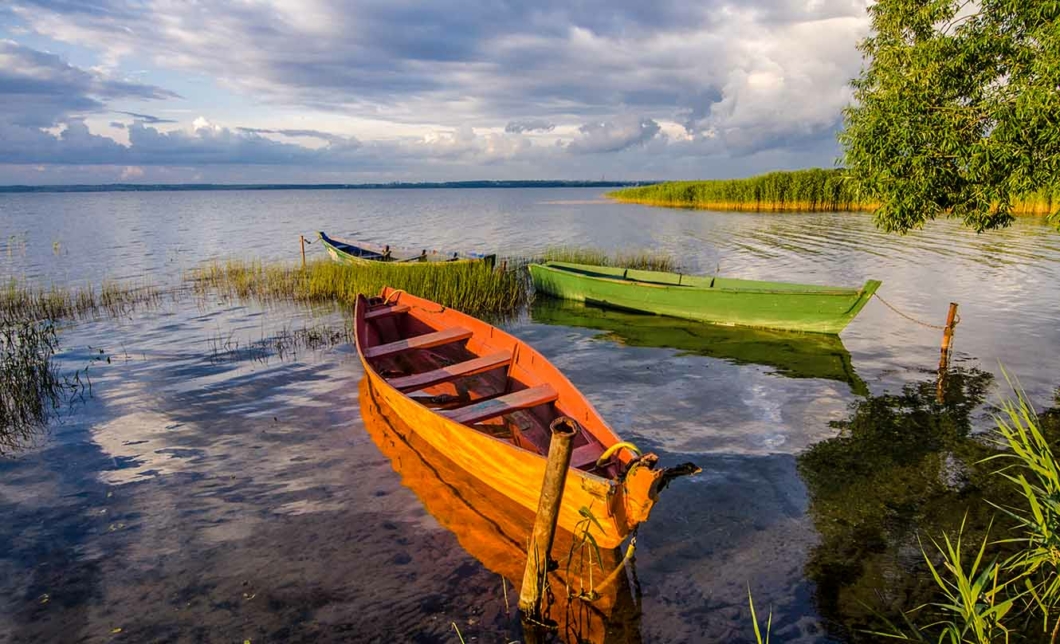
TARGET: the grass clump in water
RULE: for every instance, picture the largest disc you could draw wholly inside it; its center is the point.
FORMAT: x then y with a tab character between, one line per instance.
19	301
31	387
639	260
472	288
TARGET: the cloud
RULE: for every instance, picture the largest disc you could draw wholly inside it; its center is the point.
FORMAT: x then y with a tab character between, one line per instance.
450	62
613	136
529	125
145	118
335	140
707	81
39	89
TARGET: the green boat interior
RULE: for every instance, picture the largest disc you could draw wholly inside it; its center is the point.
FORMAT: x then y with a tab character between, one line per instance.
659	278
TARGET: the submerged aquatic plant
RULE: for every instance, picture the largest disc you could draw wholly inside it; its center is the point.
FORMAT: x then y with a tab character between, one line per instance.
31	387
472	287
283	344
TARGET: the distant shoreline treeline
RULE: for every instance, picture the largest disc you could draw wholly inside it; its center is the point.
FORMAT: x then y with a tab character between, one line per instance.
162	187
813	190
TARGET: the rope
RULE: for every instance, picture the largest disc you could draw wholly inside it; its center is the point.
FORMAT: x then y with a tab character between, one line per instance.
940	327
392	294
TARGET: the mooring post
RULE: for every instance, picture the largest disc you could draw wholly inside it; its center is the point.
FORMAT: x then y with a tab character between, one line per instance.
944	357
537	555
301	239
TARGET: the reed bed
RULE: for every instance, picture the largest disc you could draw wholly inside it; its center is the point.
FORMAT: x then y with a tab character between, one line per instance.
473	288
20	301
812	190
801	190
640	260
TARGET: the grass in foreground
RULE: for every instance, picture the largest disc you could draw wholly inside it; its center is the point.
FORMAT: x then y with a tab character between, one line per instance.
986	597
472	288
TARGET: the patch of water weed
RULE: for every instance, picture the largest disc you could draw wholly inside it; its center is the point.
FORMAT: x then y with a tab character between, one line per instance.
473	288
31	387
634	259
285	344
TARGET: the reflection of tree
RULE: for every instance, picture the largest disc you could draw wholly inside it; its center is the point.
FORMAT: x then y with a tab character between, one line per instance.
902	465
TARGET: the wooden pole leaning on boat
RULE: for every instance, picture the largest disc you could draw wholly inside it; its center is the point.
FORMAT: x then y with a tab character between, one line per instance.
564	430
944	357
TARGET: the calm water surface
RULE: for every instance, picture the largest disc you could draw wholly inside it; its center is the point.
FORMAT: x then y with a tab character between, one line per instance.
220	484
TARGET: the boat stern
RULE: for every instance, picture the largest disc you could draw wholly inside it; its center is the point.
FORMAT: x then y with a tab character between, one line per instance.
640	487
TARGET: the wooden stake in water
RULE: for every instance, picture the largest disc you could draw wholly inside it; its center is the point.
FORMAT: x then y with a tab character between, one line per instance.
537	555
301	239
947	341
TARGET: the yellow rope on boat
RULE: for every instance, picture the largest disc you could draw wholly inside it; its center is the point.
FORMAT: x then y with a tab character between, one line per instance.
392	294
610	451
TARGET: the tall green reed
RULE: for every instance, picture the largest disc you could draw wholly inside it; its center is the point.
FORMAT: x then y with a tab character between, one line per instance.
471	287
814	189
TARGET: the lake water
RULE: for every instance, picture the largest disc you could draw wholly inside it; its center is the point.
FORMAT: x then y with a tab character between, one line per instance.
220	484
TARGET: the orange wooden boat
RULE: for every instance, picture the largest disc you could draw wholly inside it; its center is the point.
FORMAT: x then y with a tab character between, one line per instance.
486	400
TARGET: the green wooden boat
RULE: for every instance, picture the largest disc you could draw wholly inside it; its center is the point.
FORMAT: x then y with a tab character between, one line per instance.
789	354
359	253
717	300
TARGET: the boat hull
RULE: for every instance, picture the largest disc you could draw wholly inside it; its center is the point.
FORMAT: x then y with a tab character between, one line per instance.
616	505
767	305
337	253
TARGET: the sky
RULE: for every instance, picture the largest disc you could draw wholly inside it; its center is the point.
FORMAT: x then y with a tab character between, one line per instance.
351	91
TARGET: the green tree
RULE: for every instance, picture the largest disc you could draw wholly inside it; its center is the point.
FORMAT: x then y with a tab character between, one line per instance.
957	112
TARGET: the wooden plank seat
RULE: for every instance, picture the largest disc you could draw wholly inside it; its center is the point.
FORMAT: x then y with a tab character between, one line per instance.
386	311
452	372
506	404
585	456
425	341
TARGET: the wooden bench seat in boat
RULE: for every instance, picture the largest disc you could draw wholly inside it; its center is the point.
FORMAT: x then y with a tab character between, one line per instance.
506	404
586	455
386	311
425	341
452	372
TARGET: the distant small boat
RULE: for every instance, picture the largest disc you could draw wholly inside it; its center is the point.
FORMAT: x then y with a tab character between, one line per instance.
486	401
717	300
358	252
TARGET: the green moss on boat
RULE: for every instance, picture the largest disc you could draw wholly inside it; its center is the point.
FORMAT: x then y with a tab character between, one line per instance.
717	300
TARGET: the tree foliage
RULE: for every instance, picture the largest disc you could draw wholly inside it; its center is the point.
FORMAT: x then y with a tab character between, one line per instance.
957	112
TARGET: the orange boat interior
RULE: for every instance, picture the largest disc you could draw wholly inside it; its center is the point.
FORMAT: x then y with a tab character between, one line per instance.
481	377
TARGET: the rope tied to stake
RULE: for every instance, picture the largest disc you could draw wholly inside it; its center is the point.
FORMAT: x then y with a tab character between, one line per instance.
940	327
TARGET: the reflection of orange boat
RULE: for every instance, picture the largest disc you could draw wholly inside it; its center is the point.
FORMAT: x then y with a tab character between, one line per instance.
594	600
486	403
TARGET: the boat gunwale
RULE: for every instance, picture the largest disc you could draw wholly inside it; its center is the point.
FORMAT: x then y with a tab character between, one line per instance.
566	268
360	323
